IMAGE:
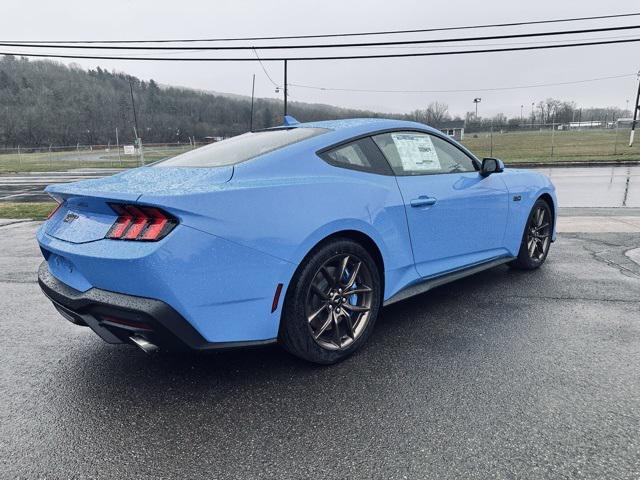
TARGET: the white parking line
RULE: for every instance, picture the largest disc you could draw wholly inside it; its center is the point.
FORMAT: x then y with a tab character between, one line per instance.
634	255
24	194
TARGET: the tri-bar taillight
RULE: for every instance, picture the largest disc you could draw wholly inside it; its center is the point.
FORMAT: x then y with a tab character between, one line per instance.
140	223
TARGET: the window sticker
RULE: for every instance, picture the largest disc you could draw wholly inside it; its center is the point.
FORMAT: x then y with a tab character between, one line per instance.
416	151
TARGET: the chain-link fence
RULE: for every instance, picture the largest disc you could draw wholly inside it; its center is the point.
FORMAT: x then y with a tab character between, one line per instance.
555	142
60	158
541	143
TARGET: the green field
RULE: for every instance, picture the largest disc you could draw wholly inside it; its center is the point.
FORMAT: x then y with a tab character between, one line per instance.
543	146
35	210
512	147
46	161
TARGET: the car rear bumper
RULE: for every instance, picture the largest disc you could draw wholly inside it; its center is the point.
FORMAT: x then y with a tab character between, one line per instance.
117	317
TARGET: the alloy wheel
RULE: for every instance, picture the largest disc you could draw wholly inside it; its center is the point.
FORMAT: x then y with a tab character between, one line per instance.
339	301
539	233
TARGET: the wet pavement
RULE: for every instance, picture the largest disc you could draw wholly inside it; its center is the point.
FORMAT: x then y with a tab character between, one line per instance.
596	186
506	374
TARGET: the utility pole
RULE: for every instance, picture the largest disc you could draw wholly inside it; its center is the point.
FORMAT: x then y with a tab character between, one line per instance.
133	104
636	108
285	88
253	86
521	107
135	119
118	147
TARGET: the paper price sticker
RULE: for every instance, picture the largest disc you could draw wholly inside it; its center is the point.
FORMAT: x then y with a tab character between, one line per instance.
416	151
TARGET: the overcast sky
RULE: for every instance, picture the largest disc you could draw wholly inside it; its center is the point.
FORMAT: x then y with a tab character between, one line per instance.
147	19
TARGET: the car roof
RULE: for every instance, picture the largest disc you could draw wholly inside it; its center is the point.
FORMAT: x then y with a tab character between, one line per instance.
359	126
339	131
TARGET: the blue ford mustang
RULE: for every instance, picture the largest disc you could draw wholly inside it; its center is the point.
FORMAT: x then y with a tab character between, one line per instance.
297	235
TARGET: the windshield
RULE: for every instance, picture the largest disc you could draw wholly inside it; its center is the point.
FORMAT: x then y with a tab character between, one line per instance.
241	148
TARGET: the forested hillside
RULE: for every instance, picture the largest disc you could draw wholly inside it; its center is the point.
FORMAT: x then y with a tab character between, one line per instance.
46	103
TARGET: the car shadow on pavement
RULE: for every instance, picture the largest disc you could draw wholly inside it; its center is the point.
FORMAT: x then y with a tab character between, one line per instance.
425	325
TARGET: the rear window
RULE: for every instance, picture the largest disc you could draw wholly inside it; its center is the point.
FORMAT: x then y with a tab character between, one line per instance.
241	148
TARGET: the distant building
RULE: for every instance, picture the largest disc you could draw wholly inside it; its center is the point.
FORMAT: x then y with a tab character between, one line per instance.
581	125
453	128
623	121
213	139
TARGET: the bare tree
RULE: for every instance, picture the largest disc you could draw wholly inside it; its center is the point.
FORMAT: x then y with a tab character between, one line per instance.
548	109
436	113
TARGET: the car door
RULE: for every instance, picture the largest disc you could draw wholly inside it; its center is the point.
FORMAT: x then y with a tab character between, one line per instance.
457	218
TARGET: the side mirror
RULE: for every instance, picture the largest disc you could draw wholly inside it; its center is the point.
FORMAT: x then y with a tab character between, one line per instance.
491	165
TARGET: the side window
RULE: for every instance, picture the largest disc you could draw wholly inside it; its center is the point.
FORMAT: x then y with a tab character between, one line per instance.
416	153
360	155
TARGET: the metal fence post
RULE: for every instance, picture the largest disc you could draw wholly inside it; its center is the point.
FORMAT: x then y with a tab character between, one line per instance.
491	136
118	147
141	151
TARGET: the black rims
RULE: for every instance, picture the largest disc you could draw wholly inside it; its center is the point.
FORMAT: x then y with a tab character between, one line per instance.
332	302
339	301
538	236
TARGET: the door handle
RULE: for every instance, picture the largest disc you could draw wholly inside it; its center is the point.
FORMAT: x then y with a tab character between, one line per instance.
423	201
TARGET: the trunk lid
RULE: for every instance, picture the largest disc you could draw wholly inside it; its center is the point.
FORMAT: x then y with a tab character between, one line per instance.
86	215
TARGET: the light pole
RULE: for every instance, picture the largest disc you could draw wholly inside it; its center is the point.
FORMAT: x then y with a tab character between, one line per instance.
477	101
521	117
533	115
542	120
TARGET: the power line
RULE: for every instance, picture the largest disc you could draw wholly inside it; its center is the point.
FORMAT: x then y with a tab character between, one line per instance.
348	34
336	45
503	44
265	70
467	90
418	47
334	57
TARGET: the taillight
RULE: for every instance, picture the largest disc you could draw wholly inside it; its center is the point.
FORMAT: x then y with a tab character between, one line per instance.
136	222
55	209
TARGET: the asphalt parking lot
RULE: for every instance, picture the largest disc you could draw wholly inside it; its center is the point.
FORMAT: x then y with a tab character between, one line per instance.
502	375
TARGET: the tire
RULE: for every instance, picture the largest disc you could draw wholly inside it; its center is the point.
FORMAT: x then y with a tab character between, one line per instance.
329	312
536	238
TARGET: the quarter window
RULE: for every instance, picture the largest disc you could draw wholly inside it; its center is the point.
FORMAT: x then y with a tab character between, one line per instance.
358	155
417	153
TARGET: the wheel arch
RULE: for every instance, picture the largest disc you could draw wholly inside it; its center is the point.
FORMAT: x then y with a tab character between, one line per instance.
363	239
552	206
358	236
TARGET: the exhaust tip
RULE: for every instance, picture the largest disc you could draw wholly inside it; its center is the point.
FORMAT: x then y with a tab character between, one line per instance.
144	345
